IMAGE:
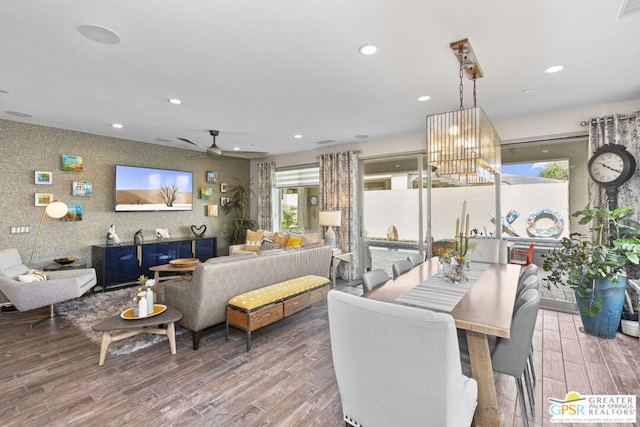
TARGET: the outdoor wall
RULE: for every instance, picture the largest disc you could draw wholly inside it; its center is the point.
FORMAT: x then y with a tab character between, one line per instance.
25	148
400	208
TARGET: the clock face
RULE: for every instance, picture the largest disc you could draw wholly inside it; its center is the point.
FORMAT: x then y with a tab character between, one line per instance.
313	200
607	167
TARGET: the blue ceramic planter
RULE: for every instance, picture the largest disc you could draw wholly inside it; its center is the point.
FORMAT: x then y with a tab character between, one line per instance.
604	324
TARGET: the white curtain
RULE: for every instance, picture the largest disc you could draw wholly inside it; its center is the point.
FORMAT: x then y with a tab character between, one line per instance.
622	130
338	191
266	173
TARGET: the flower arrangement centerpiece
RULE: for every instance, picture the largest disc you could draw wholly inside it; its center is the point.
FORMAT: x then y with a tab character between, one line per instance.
146	283
452	256
146	290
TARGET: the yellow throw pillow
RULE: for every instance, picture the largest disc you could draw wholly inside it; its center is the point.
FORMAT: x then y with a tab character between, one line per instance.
281	239
254	240
294	241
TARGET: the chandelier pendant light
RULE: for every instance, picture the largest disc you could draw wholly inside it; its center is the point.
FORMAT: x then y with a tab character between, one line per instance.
463	144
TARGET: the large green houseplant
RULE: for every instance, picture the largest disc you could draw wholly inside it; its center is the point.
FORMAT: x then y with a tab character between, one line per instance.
594	267
239	195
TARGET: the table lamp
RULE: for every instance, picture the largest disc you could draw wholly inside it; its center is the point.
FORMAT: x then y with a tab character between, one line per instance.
55	209
330	219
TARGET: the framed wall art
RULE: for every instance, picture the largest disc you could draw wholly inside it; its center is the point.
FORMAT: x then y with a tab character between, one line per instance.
81	188
224	187
206	193
74	214
212	210
224	201
44	177
212	176
43	199
71	163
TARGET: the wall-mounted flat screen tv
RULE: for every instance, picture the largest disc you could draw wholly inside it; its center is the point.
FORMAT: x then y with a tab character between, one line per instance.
147	189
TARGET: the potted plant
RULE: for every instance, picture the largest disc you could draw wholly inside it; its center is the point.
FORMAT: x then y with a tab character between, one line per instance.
595	267
238	204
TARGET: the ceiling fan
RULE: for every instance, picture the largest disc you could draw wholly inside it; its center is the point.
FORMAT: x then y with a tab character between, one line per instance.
214	150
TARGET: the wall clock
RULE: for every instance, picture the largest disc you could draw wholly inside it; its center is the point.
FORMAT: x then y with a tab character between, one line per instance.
313	200
611	165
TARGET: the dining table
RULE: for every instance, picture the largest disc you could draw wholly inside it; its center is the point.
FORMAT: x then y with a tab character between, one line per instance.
483	307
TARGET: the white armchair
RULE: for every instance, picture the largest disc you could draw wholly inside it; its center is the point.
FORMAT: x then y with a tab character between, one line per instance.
60	286
397	365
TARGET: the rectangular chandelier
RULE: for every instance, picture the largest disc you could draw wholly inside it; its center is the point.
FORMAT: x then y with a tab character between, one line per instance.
464	146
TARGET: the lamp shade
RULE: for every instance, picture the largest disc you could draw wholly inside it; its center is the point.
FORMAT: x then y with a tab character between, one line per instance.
56	209
331	218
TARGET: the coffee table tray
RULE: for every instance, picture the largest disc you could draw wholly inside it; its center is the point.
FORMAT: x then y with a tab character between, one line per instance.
157	309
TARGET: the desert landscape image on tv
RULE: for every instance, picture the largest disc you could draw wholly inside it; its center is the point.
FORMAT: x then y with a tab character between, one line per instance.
147	189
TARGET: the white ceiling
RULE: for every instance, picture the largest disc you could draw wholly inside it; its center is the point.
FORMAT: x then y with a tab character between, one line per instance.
261	71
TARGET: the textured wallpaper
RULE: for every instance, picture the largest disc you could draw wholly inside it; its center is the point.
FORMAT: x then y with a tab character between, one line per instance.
26	148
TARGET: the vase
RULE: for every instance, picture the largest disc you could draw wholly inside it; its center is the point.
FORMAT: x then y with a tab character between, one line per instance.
142	307
150	301
605	323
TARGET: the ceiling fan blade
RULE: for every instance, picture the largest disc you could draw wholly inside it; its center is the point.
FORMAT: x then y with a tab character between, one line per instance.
190	142
250	155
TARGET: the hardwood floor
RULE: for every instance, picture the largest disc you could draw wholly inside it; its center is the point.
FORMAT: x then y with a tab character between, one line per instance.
49	375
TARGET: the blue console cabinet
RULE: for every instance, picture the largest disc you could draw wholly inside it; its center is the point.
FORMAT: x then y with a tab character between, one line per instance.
121	265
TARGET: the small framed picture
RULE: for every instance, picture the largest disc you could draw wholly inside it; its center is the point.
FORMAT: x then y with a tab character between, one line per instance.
224	201
44	177
224	187
206	193
212	210
43	199
74	214
212	176
81	188
71	163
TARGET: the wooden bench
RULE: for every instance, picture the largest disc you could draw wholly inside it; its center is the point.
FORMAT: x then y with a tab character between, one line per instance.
261	307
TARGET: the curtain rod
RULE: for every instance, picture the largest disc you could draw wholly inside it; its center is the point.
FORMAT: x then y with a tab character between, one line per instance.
608	119
337	152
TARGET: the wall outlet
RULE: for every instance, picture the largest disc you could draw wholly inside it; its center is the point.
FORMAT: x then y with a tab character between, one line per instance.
21	229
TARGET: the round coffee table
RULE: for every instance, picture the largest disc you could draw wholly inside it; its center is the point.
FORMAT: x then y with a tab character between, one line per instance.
132	327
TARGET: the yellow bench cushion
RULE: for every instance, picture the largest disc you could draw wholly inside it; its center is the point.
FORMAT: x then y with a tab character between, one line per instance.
273	293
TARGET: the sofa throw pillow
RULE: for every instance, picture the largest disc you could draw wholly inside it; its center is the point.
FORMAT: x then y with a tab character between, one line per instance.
33	276
268	245
294	241
281	239
254	240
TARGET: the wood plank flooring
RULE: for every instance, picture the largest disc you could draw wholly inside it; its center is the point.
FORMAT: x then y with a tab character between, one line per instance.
49	375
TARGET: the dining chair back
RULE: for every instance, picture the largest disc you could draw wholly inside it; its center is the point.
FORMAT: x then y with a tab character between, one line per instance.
374	278
387	371
521	256
401	267
509	356
529	270
415	259
531	282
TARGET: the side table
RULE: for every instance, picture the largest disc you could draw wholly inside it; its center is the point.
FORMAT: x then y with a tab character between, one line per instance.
168	268
133	327
335	262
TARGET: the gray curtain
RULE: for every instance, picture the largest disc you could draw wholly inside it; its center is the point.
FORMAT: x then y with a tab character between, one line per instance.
338	191
623	130
266	173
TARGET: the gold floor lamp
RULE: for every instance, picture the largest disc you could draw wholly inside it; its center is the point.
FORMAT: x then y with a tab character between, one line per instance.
55	209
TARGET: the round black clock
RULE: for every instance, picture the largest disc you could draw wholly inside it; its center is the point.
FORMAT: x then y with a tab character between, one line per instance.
611	165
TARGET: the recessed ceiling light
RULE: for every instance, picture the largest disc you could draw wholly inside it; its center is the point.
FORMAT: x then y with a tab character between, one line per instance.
362	136
526	91
236	148
19	113
297	136
117	125
99	34
175	101
554	69
545	151
368	49
424	98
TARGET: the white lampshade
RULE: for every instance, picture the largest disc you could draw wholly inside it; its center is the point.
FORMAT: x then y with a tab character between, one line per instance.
56	209
331	218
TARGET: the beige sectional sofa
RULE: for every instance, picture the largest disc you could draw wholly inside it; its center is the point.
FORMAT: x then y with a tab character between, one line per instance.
203	299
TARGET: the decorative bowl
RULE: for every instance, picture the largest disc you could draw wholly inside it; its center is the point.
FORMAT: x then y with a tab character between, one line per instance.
65	261
184	262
